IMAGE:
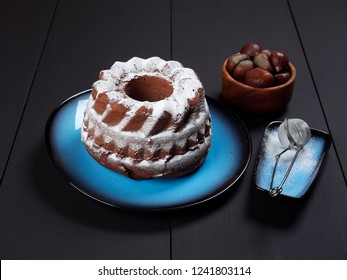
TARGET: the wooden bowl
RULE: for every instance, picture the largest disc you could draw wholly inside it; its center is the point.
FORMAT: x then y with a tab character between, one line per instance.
257	100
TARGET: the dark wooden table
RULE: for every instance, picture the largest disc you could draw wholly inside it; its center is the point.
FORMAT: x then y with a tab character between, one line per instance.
53	49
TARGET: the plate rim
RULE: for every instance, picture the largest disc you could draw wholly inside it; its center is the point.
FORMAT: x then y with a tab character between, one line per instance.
219	191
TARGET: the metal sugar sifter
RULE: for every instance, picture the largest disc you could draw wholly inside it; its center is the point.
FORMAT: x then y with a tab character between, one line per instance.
293	134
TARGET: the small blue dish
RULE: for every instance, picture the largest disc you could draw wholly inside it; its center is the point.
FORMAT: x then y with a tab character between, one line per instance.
227	159
305	168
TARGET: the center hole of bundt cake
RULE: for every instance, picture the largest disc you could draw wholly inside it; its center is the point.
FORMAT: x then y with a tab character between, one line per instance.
148	88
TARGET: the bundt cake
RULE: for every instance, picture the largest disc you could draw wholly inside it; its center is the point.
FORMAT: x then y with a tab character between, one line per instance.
148	118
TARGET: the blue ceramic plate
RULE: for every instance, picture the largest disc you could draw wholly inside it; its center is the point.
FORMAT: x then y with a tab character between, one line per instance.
305	168
227	159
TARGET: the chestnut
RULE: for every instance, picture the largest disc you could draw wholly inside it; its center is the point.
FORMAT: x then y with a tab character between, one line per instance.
241	69
262	60
259	78
234	60
279	60
268	52
251	49
281	78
